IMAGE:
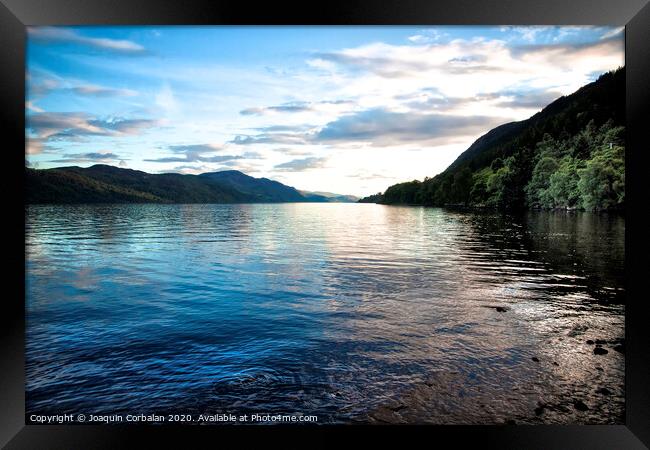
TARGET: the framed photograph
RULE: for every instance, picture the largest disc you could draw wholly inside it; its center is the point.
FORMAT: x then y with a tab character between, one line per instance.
370	218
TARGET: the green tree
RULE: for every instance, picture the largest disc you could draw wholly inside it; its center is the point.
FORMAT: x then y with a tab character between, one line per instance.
462	185
563	185
602	180
537	195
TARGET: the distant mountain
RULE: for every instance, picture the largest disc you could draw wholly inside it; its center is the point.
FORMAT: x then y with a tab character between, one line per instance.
256	189
108	184
570	155
330	197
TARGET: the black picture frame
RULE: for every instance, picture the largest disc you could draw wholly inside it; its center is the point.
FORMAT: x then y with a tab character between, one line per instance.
15	15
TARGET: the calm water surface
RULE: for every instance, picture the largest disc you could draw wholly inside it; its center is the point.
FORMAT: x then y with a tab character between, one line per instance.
351	312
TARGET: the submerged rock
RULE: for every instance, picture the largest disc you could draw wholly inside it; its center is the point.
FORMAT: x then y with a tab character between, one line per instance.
600	351
580	405
498	308
384	414
604	391
535	358
577	330
397	407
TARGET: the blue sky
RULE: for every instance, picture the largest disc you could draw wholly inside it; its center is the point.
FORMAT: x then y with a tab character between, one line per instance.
341	109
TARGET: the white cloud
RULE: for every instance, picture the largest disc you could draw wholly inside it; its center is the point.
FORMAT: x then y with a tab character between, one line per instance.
527	33
60	34
428	36
166	100
612	33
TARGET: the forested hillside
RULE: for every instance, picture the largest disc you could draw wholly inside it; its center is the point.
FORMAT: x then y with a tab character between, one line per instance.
108	184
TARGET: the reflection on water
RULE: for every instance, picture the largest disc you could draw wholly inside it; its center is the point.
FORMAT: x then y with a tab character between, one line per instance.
352	312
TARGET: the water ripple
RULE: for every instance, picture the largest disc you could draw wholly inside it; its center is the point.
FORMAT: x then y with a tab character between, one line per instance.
351	312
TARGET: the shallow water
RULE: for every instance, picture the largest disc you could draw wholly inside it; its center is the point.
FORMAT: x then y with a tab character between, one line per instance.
351	312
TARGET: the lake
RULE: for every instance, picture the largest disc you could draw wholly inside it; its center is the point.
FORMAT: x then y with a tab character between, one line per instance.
352	312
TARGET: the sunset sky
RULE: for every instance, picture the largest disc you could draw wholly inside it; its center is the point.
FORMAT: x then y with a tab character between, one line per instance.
349	110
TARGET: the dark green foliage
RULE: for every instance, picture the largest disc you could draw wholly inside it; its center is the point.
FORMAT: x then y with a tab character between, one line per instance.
537	194
563	187
569	155
404	193
602	180
461	186
375	198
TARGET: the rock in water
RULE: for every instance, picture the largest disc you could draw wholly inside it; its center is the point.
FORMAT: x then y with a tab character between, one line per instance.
600	351
580	405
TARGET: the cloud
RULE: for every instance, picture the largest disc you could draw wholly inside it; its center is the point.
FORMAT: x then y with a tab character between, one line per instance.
293	151
533	100
294	107
49	35
300	165
428	36
564	53
611	33
45	127
49	124
473	65
121	126
190	169
94	157
530	99
70	125
188	158
42	85
369	176
32	107
272	138
101	91
405	61
527	33
196	153
166	100
34	146
196	169
373	58
195	148
252	111
381	127
285	128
